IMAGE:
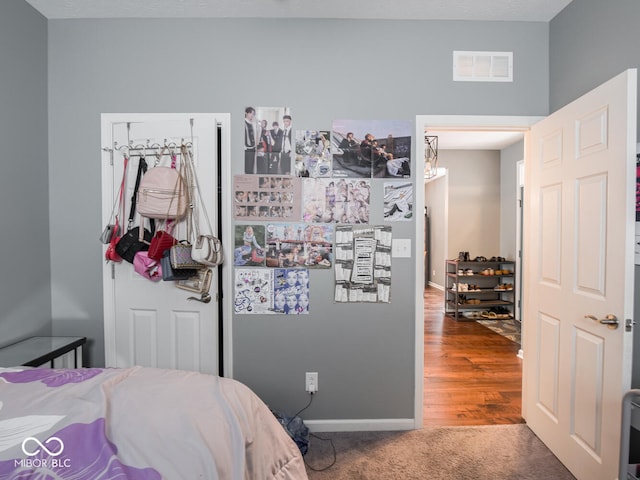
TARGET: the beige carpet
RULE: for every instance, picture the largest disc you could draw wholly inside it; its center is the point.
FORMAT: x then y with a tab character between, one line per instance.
496	452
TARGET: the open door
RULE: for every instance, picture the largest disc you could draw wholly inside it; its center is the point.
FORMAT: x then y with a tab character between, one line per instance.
578	268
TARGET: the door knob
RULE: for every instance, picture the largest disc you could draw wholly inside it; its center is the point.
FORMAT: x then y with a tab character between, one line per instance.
611	321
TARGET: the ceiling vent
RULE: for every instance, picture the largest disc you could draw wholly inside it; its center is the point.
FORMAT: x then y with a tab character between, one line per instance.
482	66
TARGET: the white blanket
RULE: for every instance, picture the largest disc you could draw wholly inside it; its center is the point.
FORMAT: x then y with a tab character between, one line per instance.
138	423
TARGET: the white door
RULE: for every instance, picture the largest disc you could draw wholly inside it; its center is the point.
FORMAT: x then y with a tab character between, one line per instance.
579	222
154	323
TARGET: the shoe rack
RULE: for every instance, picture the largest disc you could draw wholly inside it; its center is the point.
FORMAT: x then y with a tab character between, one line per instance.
480	290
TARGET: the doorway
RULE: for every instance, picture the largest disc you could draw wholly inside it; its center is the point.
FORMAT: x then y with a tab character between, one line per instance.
467	129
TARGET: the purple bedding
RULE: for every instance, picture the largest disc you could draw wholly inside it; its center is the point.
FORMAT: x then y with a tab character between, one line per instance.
138	423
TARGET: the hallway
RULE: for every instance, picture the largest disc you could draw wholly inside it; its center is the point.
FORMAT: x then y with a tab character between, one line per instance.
472	375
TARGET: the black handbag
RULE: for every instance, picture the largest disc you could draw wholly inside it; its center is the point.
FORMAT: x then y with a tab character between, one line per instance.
131	243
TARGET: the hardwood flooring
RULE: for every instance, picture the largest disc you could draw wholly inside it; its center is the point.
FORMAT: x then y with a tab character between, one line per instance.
472	375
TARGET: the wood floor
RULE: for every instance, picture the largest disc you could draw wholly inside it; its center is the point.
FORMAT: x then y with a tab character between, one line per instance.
472	375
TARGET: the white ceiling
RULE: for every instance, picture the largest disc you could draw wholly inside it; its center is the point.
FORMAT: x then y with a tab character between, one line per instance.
503	10
476	140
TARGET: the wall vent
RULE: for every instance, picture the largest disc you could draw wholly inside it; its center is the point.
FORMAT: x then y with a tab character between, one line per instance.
482	66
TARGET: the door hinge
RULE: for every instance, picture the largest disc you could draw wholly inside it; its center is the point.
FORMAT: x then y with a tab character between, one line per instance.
113	271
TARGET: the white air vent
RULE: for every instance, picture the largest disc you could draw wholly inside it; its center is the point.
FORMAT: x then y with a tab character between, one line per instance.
482	66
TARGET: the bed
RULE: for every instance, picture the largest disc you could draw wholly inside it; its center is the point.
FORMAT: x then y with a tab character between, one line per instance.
138	423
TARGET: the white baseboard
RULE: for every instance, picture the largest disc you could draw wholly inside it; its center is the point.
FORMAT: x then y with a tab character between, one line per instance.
377	425
437	286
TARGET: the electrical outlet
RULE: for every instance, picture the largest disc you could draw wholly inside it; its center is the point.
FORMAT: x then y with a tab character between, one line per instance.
311	382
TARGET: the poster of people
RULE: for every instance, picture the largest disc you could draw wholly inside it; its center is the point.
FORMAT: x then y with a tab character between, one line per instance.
398	201
291	291
313	154
363	264
268	142
371	148
299	245
271	291
341	200
249	244
266	197
253	291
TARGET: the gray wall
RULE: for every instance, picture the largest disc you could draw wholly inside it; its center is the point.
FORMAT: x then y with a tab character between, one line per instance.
334	69
509	158
25	296
474	201
590	42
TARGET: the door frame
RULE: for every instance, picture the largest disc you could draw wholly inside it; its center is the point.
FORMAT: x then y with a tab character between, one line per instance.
226	281
443	123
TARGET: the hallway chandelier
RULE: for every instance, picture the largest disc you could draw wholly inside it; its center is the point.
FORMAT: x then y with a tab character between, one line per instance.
430	155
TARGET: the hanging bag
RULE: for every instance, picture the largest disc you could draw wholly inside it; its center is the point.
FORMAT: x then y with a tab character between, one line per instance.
181	257
199	283
162	193
147	267
162	241
137	238
207	248
110	254
170	274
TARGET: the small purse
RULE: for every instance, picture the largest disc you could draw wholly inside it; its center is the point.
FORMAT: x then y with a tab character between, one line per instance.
200	283
147	267
161	242
207	250
169	274
181	257
133	242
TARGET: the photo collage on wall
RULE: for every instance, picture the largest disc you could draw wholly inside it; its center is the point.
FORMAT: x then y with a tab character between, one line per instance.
302	189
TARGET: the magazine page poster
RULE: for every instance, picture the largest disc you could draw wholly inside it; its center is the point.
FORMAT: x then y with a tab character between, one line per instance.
266	197
371	148
363	264
267	140
253	292
331	200
313	153
291	291
249	244
299	245
398	201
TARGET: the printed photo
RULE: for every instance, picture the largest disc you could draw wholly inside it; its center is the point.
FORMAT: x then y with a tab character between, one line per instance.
341	200
268	146
398	201
266	197
291	291
253	292
371	148
299	245
313	154
249	245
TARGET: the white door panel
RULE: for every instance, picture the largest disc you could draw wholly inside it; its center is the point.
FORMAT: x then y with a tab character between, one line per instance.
154	323
579	227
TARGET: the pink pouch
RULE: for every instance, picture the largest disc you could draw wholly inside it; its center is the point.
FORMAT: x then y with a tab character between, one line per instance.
147	267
